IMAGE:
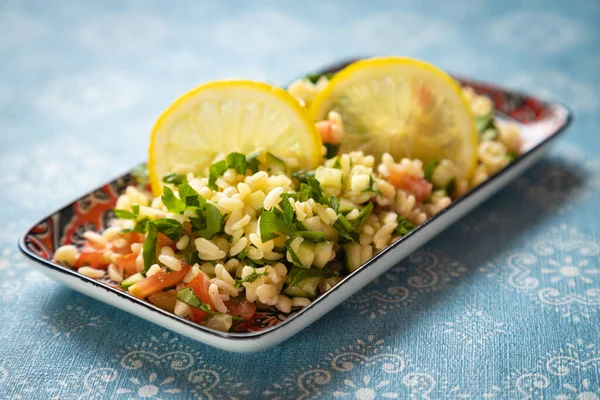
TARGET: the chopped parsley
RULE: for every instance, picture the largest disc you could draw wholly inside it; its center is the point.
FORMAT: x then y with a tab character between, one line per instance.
404	226
429	167
124	214
149	248
174	179
250	278
188	296
298	274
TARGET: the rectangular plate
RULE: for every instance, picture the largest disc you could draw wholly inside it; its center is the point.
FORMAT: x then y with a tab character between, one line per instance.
540	123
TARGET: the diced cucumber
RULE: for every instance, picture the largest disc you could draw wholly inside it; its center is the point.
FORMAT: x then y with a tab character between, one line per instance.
322	253
346	206
359	183
132	280
352	251
329	178
295	291
304	250
306	253
275	164
310	285
312	223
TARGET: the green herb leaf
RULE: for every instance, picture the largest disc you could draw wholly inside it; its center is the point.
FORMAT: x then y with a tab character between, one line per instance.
188	296
429	167
213	222
252	162
337	163
314	78
250	278
286	208
310	235
149	248
139	227
371	187
238	162
489	134
242	254
214	171
302	175
171	201
359	221
332	149
450	186
404	226
271	226
295	259
298	274
169	227
483	122
512	155
190	197
174	179
136	209
124	214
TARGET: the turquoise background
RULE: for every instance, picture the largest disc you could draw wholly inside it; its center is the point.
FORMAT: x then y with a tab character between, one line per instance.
505	304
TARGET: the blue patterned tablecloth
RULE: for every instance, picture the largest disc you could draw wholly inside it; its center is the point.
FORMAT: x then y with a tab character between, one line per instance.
504	304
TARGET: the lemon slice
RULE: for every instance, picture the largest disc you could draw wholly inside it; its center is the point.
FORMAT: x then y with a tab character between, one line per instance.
402	106
226	116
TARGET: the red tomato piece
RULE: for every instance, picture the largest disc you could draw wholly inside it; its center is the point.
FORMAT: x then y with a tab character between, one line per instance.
419	187
200	285
127	263
91	256
157	282
163	240
197	314
243	309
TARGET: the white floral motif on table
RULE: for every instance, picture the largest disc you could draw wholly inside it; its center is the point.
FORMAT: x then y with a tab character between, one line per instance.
365	370
158	368
571	372
14	272
540	32
88	95
73	319
149	388
475	327
570	177
420	273
560	271
71	169
163	367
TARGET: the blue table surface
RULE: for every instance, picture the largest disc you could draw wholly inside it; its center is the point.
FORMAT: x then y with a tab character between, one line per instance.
503	304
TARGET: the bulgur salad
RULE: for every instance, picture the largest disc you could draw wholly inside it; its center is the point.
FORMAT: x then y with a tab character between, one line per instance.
265	227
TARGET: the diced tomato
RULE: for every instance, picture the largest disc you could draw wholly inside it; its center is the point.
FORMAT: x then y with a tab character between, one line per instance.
197	314
326	132
163	240
200	285
157	282
91	256
419	187
127	263
243	309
